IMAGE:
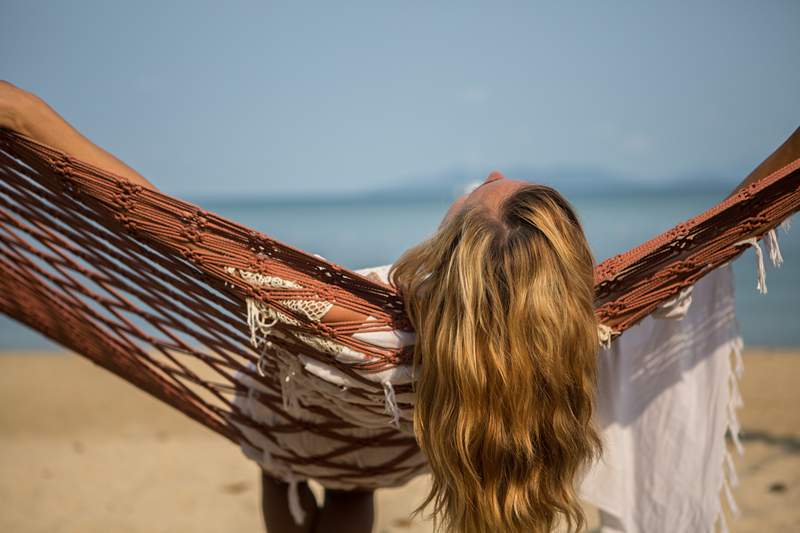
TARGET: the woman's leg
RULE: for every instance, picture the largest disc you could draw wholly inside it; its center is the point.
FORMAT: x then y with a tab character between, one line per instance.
347	511
275	506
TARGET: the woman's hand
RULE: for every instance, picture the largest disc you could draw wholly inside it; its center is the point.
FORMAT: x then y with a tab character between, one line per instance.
28	114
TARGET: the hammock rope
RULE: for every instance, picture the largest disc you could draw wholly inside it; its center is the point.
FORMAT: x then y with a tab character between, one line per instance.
156	290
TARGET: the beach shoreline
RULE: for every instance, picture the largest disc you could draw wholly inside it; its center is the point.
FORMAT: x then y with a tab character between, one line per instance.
82	450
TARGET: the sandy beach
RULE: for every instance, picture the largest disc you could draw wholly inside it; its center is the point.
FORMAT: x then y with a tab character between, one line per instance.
83	451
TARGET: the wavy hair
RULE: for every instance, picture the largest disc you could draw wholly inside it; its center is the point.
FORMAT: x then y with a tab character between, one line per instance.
505	363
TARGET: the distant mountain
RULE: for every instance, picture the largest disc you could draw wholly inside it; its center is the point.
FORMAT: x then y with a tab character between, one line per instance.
571	182
448	185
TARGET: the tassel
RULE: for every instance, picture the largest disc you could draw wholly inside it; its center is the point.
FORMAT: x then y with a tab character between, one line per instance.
774	250
734	402
723	526
298	515
282	471
736	396
252	311
391	403
738	346
261	366
289	396
605	334
731	501
734	429
734	479
260	327
762	275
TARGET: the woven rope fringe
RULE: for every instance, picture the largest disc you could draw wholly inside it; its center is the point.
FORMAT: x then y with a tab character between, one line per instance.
774	255
292	491
298	515
729	477
761	284
260	327
774	250
289	392
391	403
260	324
605	334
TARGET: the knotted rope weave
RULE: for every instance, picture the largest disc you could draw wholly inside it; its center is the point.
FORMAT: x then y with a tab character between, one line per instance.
156	289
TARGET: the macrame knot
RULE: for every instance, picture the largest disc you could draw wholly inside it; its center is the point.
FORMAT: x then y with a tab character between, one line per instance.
68	183
748	191
62	164
199	221
131	226
681	230
682	267
191	254
602	271
753	224
125	198
258	264
127	222
66	178
613	307
129	188
125	202
191	234
193	218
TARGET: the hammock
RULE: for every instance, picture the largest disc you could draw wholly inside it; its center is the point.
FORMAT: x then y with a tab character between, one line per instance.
156	289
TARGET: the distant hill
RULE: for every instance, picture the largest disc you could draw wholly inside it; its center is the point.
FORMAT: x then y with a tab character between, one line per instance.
572	182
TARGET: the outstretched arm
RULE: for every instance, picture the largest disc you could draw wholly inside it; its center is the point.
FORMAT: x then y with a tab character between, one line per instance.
785	154
29	115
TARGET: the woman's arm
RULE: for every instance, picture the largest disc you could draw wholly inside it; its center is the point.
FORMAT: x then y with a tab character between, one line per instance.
28	114
785	154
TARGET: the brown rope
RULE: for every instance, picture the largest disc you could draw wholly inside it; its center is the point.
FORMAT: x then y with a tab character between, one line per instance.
140	283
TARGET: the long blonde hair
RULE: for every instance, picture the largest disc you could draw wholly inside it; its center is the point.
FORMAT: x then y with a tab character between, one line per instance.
505	363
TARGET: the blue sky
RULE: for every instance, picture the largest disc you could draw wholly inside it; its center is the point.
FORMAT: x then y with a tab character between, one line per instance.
233	98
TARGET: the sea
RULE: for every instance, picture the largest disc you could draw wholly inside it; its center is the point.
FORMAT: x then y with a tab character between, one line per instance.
362	231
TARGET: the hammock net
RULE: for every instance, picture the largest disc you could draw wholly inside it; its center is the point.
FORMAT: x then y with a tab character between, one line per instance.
160	292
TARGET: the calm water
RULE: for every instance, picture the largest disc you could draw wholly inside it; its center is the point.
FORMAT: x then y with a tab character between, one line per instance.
358	234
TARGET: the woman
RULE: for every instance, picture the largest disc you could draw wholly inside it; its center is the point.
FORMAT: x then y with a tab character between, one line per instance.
501	302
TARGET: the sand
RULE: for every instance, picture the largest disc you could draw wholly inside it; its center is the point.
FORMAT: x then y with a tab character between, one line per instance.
83	451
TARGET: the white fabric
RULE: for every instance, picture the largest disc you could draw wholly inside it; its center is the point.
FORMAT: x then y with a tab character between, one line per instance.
307	382
664	406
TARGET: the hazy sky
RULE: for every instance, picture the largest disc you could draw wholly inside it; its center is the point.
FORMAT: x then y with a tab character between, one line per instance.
263	97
